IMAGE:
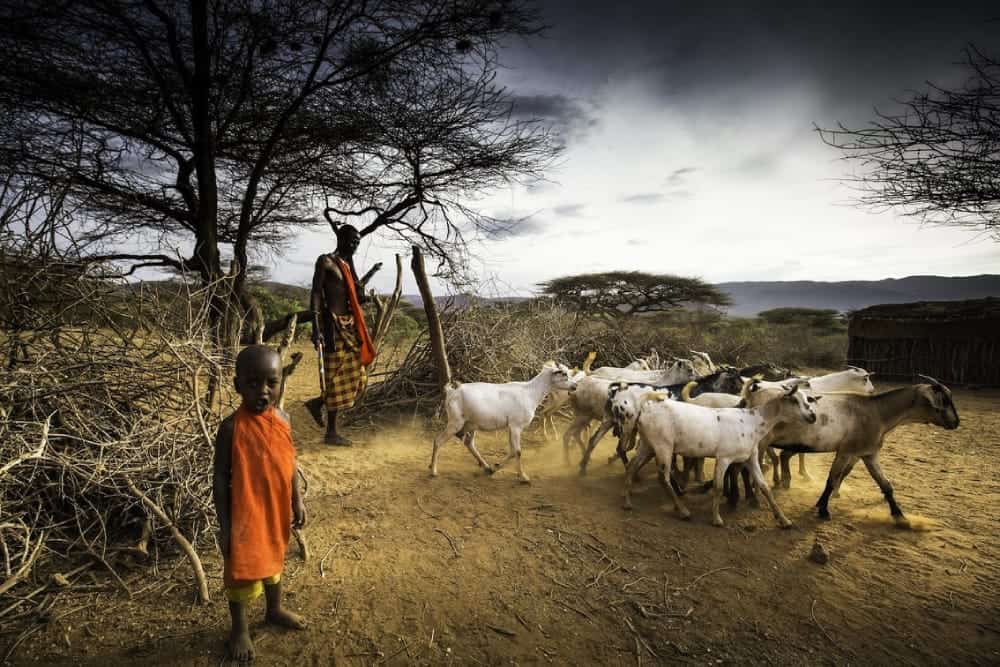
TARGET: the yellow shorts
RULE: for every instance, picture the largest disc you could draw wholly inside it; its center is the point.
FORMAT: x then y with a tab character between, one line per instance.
248	591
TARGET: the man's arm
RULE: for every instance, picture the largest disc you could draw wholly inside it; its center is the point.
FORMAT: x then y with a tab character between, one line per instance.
221	478
316	300
368	276
363	283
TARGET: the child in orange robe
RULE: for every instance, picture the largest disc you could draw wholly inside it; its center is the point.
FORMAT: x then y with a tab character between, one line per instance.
257	497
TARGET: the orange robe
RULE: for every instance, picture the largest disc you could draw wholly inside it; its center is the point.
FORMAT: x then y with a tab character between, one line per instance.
263	465
364	339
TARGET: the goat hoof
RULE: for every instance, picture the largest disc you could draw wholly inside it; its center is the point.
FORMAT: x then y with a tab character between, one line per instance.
627	506
824	515
786	524
434	474
524	479
583	471
685	516
489	470
718	523
786	483
902	522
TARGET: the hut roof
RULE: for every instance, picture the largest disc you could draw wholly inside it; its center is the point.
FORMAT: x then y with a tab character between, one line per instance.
937	311
971	318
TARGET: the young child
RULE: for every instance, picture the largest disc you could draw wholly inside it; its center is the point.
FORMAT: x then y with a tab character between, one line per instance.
257	498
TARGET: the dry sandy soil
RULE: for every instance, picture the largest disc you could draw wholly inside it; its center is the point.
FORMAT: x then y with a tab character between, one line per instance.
468	569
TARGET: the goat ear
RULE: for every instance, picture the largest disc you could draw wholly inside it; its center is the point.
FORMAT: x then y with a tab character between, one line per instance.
657	396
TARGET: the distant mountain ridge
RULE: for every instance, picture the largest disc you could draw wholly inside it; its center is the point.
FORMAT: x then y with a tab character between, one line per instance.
750	298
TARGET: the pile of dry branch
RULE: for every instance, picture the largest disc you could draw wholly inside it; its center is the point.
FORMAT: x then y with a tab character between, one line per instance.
498	342
105	447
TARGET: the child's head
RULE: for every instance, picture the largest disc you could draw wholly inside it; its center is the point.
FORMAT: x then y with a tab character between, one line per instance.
258	377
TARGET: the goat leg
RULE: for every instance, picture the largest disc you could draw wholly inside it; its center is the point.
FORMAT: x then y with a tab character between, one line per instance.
875	470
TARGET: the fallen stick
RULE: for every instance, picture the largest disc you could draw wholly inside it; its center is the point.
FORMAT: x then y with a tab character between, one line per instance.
322	561
812	612
700	577
420	505
450	541
199	571
639	638
25	568
303	545
502	631
36	454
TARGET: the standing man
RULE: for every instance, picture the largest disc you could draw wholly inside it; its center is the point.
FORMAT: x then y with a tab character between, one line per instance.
339	328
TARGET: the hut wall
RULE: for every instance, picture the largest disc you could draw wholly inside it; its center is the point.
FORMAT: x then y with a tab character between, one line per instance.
956	360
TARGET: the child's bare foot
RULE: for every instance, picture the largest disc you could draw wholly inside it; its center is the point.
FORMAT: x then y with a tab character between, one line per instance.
240	646
285	619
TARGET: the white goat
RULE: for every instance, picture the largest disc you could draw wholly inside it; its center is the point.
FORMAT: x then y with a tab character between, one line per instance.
678	372
730	435
855	425
557	399
712	399
484	406
590	400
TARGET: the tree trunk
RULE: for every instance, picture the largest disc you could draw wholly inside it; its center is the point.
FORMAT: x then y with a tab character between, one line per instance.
206	249
433	322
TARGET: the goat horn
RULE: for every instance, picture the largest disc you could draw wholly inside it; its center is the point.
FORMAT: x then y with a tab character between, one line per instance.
931	380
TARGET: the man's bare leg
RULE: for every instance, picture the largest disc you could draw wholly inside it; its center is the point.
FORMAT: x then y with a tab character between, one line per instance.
332	437
275	615
240	647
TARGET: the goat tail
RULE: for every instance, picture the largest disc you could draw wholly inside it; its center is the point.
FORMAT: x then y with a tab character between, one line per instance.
449	391
588	361
686	392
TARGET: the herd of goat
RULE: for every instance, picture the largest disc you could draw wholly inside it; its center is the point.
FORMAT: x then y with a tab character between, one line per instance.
735	416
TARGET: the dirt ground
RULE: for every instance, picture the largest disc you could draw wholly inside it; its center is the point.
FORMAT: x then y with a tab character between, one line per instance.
468	569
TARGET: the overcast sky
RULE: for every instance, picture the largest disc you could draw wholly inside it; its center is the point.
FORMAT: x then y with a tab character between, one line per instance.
691	149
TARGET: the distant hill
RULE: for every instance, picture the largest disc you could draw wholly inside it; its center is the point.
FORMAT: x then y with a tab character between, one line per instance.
750	298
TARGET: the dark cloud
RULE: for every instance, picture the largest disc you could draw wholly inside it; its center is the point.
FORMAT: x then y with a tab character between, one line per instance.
569	117
679	193
758	165
508	228
851	54
540	185
642	198
678	176
568	210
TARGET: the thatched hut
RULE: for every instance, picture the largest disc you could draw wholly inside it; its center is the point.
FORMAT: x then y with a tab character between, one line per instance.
956	342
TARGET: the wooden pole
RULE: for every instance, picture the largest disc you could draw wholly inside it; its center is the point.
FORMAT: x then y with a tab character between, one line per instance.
433	322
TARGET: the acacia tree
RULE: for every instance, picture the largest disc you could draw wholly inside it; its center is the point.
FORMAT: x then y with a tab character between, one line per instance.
223	122
621	294
938	159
